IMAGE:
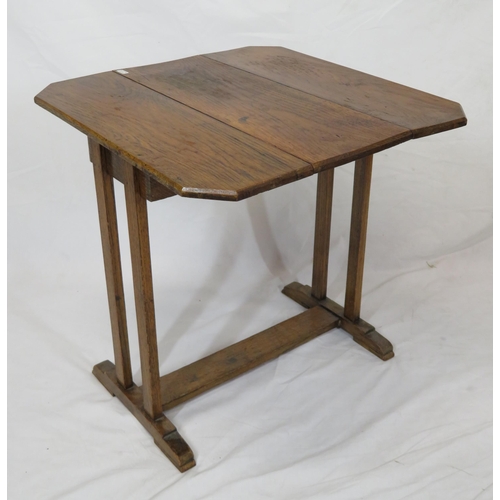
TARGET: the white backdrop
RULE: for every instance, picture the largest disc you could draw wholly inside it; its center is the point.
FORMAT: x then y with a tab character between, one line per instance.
328	420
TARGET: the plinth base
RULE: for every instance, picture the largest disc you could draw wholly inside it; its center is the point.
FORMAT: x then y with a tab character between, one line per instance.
362	332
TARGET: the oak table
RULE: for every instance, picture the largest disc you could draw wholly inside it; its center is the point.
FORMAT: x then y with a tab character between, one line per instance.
227	126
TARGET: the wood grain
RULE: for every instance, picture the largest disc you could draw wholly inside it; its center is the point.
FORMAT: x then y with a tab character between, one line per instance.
150	188
315	130
228	126
422	113
362	332
322	234
164	433
224	365
187	151
143	290
112	262
233	124
357	240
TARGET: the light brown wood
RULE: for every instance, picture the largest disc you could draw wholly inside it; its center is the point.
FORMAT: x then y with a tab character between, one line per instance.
164	433
224	365
357	240
234	124
322	233
188	152
143	290
315	130
362	332
112	262
228	126
151	189
422	113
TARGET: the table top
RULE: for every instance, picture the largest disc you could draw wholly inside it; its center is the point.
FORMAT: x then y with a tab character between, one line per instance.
232	124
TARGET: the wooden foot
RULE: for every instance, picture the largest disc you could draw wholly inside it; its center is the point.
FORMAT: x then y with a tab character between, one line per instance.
362	332
200	376
164	433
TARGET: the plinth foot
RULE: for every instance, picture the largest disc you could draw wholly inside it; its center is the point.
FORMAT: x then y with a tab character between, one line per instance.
362	332
164	433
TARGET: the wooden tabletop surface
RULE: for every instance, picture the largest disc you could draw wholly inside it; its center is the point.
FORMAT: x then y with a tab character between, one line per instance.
232	124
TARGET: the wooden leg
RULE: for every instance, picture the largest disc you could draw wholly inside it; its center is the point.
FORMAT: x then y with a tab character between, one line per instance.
357	243
144	403
112	264
322	233
362	332
143	290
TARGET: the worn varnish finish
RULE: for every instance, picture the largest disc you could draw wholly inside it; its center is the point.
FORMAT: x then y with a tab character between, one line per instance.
150	188
228	126
317	131
422	113
202	375
233	124
187	151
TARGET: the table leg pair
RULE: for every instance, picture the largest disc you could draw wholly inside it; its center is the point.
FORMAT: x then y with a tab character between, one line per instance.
157	394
